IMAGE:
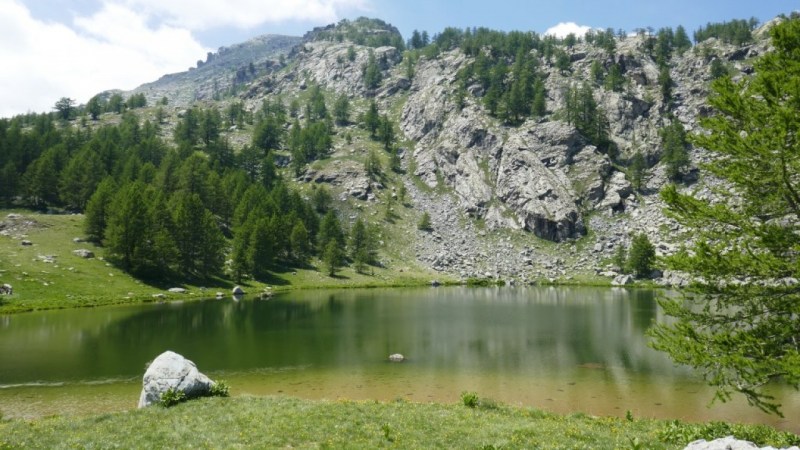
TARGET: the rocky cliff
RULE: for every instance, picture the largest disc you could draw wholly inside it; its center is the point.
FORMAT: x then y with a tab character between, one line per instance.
526	201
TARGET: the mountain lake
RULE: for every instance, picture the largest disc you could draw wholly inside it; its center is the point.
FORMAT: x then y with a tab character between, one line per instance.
561	349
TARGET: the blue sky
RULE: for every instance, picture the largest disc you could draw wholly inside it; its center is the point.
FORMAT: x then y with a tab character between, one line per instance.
76	48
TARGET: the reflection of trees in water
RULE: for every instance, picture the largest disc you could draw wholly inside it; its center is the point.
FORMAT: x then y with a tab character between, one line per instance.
497	329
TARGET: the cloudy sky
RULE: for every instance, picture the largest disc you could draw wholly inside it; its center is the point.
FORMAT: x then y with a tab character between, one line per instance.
76	48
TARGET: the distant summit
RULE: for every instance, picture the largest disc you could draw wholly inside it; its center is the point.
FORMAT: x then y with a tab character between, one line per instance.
223	72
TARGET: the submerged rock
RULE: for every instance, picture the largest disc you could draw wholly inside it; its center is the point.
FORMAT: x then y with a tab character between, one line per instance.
172	371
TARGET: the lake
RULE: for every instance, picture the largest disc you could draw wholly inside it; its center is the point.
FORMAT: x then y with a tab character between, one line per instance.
562	349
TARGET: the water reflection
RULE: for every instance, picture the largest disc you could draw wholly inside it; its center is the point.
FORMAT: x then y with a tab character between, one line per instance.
576	348
531	330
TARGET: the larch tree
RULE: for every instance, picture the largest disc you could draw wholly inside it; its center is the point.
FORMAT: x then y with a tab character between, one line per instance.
739	322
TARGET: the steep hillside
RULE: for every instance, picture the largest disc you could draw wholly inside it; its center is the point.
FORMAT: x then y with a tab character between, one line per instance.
479	154
534	199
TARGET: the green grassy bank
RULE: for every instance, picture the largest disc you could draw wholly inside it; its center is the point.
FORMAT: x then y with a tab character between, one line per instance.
47	274
271	422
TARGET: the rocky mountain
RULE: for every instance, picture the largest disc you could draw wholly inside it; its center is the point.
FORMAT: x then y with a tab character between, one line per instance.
535	199
223	72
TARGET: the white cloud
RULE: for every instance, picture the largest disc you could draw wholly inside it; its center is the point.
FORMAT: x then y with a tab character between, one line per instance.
125	43
114	48
564	28
205	14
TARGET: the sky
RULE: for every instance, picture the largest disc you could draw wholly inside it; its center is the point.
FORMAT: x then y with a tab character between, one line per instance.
76	48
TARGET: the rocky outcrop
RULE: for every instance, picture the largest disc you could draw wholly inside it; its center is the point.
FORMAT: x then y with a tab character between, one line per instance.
172	371
329	64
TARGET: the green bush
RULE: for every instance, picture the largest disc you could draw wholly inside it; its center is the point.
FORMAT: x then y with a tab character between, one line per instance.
172	397
220	389
469	399
425	222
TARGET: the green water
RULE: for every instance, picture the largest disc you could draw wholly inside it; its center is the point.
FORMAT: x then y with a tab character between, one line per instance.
561	349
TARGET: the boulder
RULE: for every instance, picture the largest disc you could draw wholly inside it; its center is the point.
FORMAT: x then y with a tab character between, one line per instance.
622	280
728	443
172	371
83	253
238	290
177	290
396	357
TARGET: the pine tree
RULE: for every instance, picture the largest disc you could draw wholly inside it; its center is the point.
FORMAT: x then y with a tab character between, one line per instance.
240	255
332	258
65	108
372	119
675	154
539	107
80	179
94	107
341	110
127	225
681	40
301	245
9	182
638	170
360	246
330	230
262	246
372	72
372	166
97	210
199	241
744	335
641	257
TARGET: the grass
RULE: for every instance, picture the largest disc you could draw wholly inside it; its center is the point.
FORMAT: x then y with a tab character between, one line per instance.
47	275
272	422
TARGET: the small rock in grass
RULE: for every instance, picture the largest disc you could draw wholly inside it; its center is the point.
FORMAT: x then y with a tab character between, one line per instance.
177	290
83	253
396	357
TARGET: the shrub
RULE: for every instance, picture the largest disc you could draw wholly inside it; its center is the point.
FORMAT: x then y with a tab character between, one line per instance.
220	389
425	222
469	399
172	397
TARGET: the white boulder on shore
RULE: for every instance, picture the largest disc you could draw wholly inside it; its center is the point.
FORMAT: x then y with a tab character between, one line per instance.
728	443
172	371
